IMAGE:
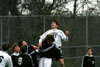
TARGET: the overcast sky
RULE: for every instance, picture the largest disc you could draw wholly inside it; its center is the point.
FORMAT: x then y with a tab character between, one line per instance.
70	4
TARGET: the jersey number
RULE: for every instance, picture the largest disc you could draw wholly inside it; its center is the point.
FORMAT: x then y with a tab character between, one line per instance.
20	60
1	57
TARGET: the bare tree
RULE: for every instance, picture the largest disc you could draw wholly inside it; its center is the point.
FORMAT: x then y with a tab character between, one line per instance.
41	7
8	7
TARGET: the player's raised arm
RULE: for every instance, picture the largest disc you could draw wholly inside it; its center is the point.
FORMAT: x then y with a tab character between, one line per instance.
67	32
64	36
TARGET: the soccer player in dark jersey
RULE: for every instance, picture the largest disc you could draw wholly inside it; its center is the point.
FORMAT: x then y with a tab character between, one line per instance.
88	60
31	51
24	59
15	54
49	51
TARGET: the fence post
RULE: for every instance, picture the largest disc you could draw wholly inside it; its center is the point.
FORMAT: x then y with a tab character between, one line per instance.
1	33
43	23
86	29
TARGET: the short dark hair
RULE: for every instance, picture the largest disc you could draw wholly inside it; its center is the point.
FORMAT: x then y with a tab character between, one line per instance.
14	45
50	38
55	22
20	43
5	46
23	48
89	48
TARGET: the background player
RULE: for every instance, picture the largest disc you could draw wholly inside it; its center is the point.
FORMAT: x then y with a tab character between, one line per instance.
5	59
24	60
31	51
15	54
58	36
88	60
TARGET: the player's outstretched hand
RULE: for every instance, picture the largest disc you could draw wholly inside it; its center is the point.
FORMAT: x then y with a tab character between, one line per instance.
67	32
39	45
35	47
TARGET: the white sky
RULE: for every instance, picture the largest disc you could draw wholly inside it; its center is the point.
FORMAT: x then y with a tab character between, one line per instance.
70	4
80	9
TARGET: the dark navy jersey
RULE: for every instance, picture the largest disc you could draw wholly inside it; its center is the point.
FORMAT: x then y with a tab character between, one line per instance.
14	59
88	61
33	54
24	60
50	51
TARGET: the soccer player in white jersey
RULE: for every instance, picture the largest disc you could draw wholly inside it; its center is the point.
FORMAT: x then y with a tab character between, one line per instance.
5	59
58	35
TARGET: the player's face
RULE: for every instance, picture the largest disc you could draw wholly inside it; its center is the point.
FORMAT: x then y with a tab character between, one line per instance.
89	52
49	42
17	49
24	43
54	25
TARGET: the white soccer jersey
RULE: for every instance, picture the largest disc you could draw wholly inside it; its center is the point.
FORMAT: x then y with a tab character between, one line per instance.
5	59
58	35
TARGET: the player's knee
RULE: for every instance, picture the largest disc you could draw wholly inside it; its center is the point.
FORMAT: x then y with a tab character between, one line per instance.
61	61
62	65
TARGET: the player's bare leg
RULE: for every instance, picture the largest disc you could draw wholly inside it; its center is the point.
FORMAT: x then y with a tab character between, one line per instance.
61	61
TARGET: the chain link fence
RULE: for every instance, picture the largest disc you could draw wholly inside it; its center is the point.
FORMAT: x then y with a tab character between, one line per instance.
84	32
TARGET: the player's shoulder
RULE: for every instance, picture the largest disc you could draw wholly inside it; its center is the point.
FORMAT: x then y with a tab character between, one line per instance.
4	53
49	30
86	57
7	57
59	30
25	55
53	30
